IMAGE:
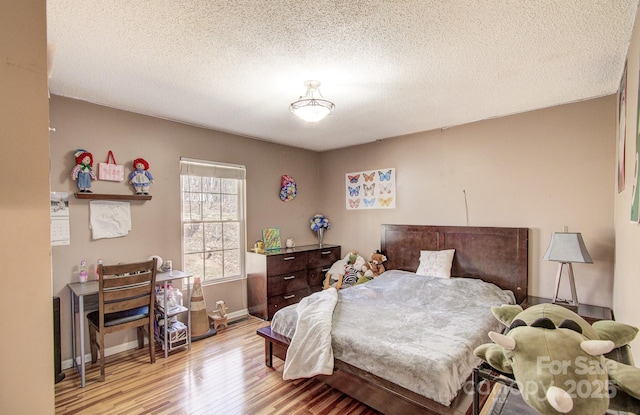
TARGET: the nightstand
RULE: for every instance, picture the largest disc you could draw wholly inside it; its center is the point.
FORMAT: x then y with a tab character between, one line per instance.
591	313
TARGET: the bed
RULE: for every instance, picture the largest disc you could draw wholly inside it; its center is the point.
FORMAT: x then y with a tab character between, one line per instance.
494	255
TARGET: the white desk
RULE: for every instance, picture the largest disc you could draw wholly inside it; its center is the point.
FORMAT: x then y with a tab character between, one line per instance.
80	290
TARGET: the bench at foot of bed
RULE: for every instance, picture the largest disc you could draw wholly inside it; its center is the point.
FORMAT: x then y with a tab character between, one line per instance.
274	345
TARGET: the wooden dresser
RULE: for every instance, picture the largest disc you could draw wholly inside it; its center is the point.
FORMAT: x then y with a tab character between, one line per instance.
281	277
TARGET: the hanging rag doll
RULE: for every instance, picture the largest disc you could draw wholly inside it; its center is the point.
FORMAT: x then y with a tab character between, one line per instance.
140	178
83	171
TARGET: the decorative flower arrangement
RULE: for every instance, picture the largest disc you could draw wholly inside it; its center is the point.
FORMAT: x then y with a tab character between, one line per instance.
319	222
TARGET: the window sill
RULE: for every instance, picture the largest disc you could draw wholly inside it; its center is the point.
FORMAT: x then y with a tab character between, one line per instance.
223	280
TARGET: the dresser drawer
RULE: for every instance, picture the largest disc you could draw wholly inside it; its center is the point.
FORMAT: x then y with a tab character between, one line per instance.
286	283
286	263
317	275
277	302
325	256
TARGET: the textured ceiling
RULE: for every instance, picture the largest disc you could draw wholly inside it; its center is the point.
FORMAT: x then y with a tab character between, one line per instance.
391	67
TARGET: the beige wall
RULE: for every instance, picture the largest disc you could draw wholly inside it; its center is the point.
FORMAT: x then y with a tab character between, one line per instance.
26	348
626	288
156	223
541	170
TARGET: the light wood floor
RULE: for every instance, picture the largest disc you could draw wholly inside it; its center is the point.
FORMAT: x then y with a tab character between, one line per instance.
223	374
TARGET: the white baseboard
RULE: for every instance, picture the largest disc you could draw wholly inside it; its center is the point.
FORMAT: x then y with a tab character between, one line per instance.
66	364
110	350
237	315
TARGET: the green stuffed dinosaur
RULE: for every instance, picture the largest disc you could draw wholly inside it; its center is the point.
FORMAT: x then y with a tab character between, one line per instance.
556	358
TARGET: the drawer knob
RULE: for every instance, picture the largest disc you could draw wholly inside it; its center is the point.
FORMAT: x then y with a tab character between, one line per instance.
290	277
325	252
289	258
289	297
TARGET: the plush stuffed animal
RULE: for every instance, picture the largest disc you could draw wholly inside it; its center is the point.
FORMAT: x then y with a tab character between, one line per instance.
557	358
374	266
344	272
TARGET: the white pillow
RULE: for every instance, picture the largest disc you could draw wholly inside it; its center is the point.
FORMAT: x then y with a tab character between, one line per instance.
436	263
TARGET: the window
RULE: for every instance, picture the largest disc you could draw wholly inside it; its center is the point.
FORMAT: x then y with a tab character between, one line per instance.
213	219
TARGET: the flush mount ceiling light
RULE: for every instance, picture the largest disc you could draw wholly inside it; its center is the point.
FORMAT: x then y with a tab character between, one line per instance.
311	109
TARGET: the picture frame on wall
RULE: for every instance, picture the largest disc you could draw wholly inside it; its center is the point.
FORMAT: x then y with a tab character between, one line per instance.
371	189
622	129
635	196
271	238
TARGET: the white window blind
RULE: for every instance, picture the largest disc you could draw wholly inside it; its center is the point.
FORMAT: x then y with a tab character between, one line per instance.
213	219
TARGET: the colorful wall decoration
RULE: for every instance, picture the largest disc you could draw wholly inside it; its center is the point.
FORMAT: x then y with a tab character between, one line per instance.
271	238
635	194
622	129
371	189
288	188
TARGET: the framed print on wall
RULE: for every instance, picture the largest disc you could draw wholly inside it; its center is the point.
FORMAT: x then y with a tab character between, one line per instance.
622	128
371	189
635	196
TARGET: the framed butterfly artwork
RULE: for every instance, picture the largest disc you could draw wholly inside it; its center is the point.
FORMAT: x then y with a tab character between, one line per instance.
371	189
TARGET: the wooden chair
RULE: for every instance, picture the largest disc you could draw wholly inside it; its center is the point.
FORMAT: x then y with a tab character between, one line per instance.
126	297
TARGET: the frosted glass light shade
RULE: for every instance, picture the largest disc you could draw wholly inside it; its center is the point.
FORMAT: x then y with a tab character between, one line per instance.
311	109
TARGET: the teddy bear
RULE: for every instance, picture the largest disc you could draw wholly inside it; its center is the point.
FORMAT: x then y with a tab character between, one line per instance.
557	358
374	266
344	272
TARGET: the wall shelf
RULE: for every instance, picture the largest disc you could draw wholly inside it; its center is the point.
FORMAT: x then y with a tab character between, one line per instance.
99	196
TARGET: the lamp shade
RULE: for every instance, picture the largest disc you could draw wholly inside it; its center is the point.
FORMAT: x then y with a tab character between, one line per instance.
567	247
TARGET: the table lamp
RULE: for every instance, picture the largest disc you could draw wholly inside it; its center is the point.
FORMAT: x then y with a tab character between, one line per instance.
567	248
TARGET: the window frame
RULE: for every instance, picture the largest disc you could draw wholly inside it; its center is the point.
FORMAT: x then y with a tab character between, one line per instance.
222	171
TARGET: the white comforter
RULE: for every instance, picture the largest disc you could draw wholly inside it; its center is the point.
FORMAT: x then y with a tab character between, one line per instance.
310	352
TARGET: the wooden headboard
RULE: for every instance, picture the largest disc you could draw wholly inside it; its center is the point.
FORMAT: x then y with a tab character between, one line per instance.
495	255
